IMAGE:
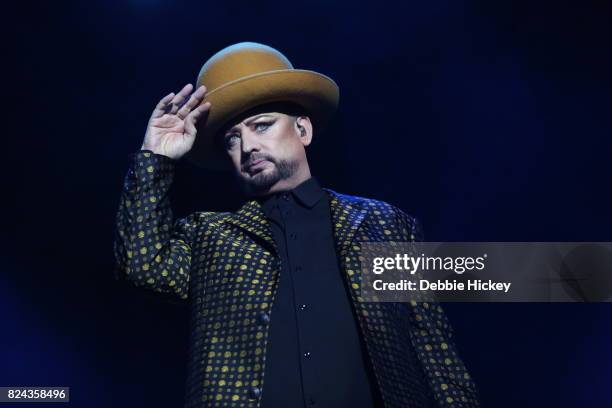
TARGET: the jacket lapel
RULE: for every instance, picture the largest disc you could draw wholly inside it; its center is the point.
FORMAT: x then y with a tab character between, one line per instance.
347	216
251	218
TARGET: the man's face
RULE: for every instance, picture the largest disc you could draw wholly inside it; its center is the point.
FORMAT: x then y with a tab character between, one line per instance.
267	150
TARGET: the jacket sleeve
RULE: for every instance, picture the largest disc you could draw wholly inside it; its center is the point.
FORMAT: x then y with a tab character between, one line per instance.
433	339
152	250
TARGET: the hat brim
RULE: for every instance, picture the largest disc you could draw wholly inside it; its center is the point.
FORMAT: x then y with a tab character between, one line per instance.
316	93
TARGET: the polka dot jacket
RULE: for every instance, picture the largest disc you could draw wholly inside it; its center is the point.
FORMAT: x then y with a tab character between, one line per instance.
224	264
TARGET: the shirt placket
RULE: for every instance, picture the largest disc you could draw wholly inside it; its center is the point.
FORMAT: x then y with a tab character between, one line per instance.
295	245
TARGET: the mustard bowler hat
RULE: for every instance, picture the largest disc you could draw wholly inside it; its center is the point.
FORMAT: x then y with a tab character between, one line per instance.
245	75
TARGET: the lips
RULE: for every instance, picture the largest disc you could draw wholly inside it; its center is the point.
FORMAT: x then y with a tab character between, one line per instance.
256	164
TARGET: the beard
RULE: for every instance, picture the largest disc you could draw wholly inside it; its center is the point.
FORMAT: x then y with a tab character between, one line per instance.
262	181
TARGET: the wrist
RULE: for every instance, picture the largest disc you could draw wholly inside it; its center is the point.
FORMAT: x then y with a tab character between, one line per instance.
156	151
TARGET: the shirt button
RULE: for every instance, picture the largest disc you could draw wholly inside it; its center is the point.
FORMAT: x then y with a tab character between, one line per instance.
285	196
307	354
254	392
298	269
302	307
311	401
264	318
293	235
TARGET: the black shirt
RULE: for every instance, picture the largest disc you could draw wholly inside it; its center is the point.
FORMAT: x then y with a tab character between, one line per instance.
315	356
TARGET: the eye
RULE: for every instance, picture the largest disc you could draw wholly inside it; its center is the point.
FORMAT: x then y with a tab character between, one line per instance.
231	140
262	126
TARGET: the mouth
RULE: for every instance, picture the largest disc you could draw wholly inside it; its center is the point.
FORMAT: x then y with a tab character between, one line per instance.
256	166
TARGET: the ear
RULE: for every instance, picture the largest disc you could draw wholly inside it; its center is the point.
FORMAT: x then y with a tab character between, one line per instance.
303	126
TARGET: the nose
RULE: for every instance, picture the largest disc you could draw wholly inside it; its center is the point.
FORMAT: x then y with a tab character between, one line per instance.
249	143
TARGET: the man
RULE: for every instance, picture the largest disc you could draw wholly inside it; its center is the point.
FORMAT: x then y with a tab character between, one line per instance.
274	288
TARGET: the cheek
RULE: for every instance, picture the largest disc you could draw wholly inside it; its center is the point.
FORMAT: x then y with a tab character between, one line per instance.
284	146
292	149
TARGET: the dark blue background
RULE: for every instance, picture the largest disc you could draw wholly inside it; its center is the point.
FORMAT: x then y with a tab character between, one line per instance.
488	120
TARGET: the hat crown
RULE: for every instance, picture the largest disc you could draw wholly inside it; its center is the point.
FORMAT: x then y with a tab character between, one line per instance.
238	61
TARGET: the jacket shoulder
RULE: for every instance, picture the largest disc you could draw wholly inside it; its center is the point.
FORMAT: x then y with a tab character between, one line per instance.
387	212
372	204
383	208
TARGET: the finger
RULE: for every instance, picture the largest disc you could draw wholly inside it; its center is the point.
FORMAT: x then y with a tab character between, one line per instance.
177	101
196	115
195	99
160	108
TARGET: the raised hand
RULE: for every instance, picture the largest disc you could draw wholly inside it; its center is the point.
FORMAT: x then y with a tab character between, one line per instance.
171	130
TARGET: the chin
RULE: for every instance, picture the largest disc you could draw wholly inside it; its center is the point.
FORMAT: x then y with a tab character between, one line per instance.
261	181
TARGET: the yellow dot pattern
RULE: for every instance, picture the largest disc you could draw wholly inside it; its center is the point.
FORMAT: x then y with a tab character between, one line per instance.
150	249
225	265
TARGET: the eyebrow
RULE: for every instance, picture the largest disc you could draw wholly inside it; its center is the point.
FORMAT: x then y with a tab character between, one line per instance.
253	119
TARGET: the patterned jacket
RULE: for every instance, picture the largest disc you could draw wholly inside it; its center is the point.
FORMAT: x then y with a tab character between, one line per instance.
224	264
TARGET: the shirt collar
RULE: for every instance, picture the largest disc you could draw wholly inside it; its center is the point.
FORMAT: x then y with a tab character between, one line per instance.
308	193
